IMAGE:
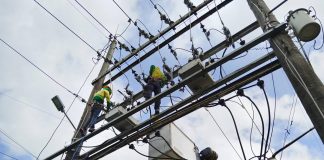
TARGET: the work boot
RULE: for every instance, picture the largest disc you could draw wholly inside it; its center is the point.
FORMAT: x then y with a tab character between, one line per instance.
91	129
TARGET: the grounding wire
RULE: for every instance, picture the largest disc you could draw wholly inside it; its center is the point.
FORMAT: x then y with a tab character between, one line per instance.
295	73
65	25
289	122
275	103
25	149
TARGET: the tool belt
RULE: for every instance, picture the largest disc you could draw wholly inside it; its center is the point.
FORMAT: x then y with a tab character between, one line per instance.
97	105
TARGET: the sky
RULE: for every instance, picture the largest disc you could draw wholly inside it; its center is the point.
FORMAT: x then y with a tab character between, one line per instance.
28	117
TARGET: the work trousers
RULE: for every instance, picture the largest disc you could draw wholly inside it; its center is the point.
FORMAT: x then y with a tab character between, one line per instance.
95	111
153	86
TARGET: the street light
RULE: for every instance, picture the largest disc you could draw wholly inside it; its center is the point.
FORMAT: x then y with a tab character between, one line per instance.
60	107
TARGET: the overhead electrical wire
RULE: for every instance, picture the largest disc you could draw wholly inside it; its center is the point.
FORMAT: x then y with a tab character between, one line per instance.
8	155
85	9
214	120
69	1
13	140
38	68
65	25
29	105
103	26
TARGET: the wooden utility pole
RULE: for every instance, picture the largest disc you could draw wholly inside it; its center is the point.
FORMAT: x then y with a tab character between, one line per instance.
307	85
96	87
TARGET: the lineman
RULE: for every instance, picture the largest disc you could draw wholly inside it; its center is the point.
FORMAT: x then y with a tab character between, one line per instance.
154	82
97	106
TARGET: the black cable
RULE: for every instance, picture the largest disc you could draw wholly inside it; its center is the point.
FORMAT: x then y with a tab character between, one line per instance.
170	146
236	129
292	142
161	151
8	155
25	149
269	118
65	25
262	122
148	156
214	120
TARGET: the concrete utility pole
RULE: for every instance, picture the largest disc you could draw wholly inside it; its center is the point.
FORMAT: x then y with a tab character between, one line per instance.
96	87
307	85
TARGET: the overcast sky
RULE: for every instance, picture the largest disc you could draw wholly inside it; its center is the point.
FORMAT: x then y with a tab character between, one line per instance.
28	117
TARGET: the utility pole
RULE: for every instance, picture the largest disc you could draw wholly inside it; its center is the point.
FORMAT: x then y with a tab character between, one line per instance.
96	87
307	85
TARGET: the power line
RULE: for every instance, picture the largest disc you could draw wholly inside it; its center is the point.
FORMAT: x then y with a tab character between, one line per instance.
38	68
65	25
8	155
26	150
123	11
29	105
86	18
93	16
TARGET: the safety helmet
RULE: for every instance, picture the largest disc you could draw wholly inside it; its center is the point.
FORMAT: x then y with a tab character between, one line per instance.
107	88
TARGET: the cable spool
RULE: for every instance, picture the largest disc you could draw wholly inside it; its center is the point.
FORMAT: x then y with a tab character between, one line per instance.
304	26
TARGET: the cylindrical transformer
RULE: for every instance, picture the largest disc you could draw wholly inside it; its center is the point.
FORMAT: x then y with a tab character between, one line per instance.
304	26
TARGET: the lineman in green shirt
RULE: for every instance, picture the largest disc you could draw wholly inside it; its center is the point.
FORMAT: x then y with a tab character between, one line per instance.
154	82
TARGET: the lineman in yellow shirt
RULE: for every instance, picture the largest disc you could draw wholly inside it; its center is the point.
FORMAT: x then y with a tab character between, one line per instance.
97	106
